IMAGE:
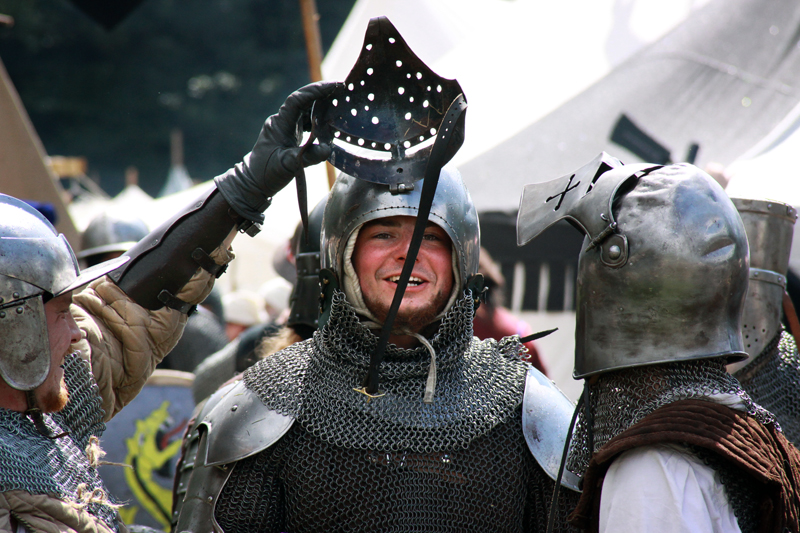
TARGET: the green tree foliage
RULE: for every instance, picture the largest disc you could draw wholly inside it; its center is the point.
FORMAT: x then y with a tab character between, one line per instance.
213	68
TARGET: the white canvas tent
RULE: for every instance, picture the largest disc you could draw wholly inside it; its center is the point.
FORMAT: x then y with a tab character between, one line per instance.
515	60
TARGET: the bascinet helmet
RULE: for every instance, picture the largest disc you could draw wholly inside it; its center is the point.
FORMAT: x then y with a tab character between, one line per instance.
663	269
392	123
353	202
769	226
36	262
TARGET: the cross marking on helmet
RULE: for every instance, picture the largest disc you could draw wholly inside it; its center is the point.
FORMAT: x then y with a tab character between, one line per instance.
563	193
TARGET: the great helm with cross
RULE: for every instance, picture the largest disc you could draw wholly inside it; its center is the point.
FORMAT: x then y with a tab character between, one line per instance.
663	269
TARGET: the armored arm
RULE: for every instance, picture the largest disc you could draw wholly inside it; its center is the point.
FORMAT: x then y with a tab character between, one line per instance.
161	263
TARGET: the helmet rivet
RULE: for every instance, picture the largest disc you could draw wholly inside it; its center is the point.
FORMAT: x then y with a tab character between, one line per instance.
234	407
2	314
15	295
614	252
2	300
19	310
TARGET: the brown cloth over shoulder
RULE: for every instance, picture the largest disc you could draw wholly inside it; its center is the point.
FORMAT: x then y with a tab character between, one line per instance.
762	452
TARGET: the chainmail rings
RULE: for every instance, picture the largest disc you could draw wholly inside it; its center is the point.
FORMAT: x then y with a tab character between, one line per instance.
620	399
38	465
773	380
304	484
480	385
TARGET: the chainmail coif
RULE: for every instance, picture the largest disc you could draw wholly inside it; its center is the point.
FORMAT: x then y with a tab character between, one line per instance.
773	380
39	465
393	463
480	385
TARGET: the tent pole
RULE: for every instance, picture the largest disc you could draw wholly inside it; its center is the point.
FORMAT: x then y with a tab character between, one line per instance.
308	10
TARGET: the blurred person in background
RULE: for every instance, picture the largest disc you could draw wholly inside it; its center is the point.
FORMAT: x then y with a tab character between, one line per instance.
276	294
242	309
108	236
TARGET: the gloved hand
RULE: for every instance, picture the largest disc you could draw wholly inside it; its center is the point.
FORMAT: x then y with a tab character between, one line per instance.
249	186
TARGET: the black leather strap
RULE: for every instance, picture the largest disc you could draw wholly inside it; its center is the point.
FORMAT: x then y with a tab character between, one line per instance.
173	302
438	158
208	264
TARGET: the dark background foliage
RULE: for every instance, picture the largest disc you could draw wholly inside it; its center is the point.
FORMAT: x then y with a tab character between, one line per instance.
213	68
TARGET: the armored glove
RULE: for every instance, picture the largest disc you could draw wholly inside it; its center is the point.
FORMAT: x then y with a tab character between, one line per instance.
249	186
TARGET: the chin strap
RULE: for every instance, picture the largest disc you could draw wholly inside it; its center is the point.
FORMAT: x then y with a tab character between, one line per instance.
437	159
35	414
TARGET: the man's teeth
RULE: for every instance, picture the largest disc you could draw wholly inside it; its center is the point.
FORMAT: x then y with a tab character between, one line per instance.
413	280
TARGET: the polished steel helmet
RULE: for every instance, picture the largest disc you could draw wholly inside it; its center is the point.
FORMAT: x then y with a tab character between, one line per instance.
353	202
663	270
769	226
35	262
108	233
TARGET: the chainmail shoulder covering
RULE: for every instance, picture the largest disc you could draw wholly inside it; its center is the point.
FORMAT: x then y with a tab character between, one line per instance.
39	465
773	380
622	398
480	385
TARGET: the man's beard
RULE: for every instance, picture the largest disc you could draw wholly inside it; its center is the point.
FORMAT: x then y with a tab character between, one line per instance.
414	320
53	400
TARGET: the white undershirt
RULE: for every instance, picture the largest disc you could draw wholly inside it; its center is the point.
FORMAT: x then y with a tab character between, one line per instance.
665	489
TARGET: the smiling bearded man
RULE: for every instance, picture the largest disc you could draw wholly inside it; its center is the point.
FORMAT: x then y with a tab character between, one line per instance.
380	250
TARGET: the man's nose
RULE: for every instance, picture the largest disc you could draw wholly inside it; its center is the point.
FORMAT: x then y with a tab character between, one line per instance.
403	244
74	331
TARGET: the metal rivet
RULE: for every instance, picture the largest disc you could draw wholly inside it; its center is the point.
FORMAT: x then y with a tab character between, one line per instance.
234	407
210	499
19	310
755	274
326	281
15	295
322	295
614	252
2	300
2	314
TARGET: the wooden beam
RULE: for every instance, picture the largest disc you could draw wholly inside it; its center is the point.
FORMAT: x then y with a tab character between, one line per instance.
308	10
